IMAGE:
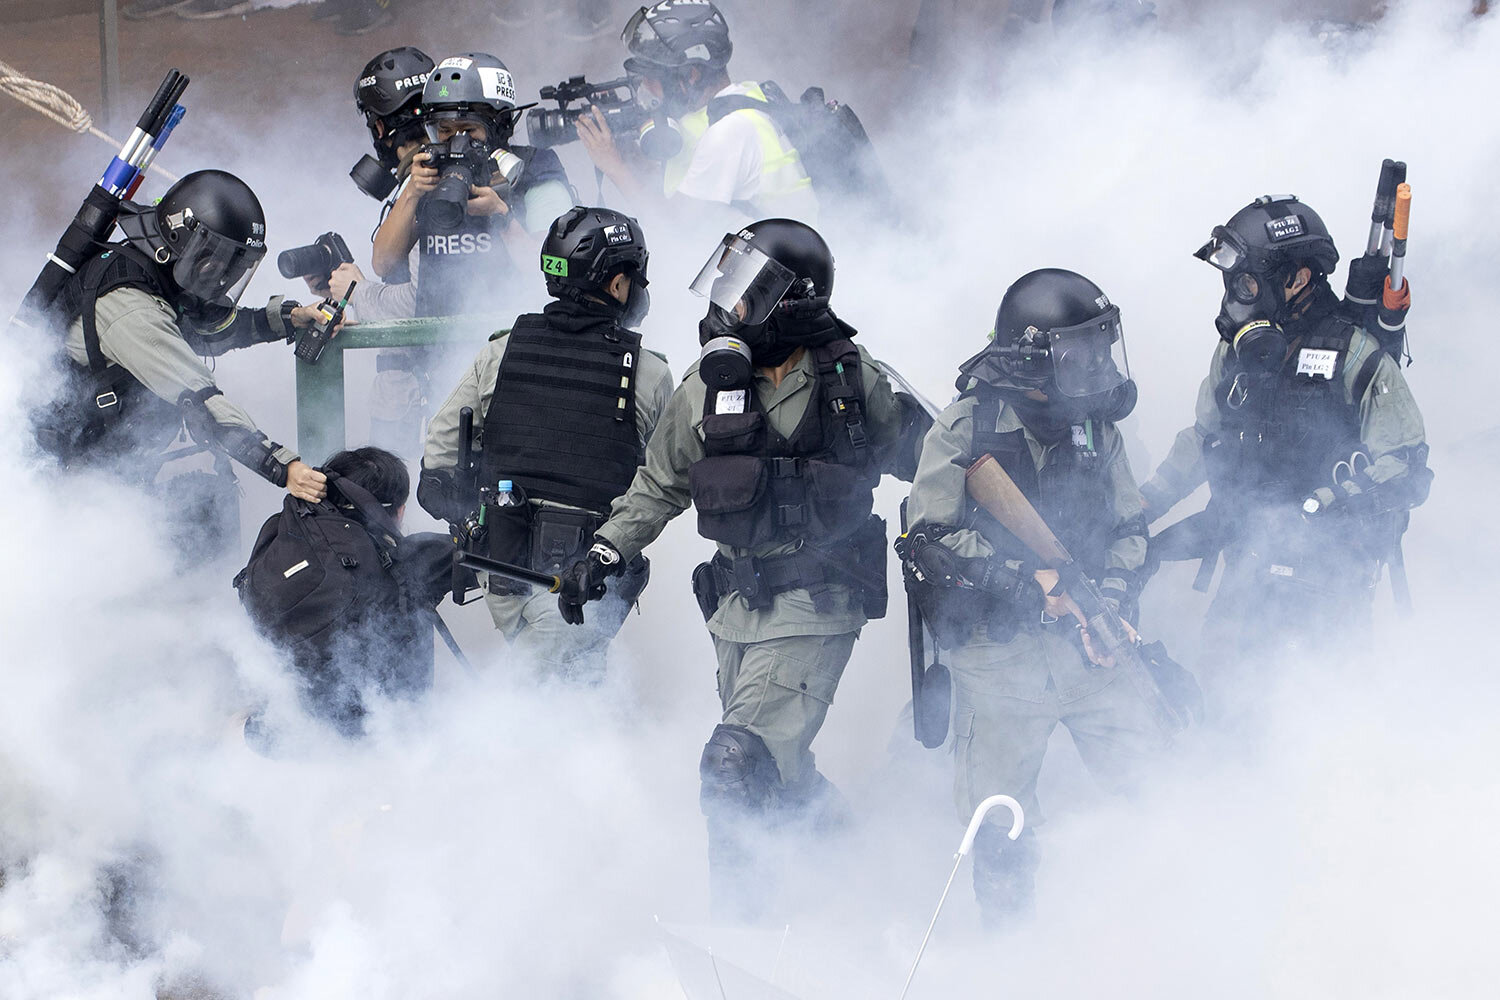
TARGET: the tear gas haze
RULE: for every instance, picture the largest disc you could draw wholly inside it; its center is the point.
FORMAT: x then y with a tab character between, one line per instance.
504	837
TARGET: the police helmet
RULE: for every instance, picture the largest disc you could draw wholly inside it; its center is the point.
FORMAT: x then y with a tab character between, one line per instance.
1271	236
1055	330
212	234
586	247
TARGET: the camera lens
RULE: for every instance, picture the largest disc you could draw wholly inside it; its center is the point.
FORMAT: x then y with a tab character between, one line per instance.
304	262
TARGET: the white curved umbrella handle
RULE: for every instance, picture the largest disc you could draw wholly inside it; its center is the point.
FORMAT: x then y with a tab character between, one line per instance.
1017	820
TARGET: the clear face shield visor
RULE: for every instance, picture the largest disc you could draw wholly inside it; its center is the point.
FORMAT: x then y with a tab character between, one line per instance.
742	281
645	44
1089	359
213	269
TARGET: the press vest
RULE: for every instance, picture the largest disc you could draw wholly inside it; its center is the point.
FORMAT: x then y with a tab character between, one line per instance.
782	174
755	488
561	423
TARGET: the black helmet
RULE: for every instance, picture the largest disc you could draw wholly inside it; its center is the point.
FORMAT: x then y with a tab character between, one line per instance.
1258	251
752	271
210	235
769	285
675	34
475	85
586	247
1054	330
388	93
1273	234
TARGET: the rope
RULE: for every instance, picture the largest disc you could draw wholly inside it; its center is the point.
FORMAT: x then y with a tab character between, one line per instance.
57	104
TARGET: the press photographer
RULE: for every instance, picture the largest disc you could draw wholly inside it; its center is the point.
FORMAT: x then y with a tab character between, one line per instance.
471	192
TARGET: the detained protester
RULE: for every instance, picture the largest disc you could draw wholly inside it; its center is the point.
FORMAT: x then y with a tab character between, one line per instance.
778	436
1043	398
563	405
472	194
731	153
141	315
346	594
1310	441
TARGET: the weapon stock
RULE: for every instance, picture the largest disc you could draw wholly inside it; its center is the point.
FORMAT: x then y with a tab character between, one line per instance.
997	493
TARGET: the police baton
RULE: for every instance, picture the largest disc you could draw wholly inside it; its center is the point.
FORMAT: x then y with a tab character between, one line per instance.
520	574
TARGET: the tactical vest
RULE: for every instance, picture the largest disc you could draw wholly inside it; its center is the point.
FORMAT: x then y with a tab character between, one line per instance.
755	488
1071	491
104	407
1283	431
561	424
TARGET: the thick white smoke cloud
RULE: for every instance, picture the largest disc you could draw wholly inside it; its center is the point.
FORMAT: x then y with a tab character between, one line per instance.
503	838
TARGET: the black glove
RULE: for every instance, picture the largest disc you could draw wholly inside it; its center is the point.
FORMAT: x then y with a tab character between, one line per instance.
1367	277
584	582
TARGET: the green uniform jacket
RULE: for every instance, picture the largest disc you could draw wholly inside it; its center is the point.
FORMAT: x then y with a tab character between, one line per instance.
660	492
138	331
1389	424
938	495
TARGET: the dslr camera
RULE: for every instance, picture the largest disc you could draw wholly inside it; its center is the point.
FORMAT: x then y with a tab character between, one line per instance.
463	162
546	127
316	260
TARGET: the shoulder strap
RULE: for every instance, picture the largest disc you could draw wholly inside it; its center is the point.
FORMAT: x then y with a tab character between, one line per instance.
842	376
722	107
376	519
121	266
1366	375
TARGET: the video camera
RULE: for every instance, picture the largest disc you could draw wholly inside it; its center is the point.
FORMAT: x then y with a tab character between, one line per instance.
546	127
462	163
316	260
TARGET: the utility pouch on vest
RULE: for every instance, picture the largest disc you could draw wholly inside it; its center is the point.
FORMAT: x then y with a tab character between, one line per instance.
560	537
869	556
508	532
727	491
706	589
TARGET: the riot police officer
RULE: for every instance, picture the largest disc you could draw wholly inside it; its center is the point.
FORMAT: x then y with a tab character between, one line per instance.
463	260
778	437
733	154
1042	398
142	313
565	402
1308	436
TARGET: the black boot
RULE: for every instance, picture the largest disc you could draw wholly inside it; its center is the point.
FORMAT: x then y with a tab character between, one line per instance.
1004	877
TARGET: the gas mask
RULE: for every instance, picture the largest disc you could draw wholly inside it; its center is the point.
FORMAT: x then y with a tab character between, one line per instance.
1254	303
743	287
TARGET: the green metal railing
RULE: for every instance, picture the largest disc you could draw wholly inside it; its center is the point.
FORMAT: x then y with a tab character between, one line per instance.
321	424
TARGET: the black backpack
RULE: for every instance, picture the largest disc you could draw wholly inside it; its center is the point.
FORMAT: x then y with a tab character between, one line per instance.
832	142
316	571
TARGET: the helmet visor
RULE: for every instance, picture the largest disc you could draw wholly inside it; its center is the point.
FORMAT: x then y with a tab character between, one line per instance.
1224	250
1089	358
646	44
743	281
214	269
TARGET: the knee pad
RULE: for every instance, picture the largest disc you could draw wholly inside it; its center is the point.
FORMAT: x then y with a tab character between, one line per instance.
737	771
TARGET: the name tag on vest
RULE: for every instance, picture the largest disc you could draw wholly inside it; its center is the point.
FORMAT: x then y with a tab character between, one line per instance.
730	401
1317	363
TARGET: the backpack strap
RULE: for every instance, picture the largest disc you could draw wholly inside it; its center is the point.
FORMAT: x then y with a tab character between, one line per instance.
376	519
722	107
